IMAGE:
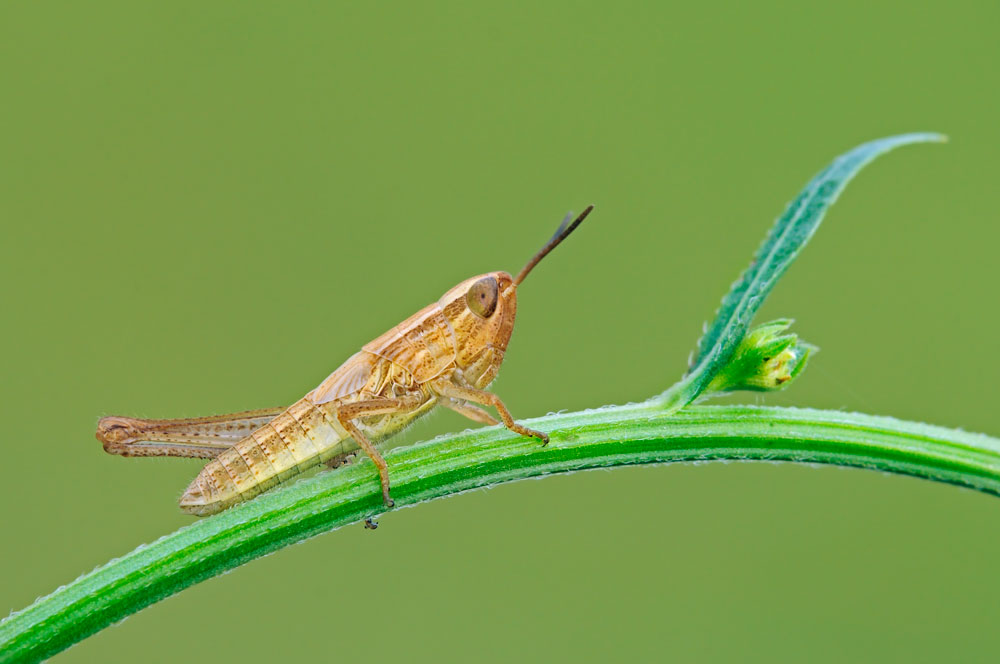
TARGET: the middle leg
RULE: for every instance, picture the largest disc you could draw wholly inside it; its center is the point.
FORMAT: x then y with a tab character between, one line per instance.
349	411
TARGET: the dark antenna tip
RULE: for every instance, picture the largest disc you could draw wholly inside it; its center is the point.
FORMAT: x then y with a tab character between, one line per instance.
565	228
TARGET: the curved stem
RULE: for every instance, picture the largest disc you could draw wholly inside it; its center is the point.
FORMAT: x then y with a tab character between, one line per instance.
614	436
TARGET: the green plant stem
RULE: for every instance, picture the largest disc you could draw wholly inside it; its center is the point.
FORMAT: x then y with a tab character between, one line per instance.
614	436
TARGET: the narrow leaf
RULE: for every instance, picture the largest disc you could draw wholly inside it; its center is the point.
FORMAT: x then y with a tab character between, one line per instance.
781	246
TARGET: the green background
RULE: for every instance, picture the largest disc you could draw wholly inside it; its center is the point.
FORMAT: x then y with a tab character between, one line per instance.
207	206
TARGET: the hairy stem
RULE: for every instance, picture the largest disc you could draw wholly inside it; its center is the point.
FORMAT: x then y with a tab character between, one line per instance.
615	436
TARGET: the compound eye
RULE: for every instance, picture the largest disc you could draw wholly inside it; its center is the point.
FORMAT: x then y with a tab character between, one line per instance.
482	297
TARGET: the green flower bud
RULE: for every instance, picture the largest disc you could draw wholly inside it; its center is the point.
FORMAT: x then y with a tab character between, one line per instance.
766	360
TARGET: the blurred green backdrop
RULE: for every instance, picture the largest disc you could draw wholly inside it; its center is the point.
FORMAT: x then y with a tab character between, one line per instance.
182	183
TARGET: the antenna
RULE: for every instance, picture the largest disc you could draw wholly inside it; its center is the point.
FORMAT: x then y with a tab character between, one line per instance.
565	228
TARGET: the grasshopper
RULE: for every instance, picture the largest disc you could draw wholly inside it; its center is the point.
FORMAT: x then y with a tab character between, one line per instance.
445	354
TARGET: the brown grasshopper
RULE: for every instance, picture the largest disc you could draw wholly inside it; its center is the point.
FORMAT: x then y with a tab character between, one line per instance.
445	354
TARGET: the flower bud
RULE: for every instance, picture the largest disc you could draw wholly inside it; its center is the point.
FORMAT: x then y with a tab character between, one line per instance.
766	360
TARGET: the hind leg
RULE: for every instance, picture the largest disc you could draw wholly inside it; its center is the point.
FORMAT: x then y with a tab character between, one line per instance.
197	437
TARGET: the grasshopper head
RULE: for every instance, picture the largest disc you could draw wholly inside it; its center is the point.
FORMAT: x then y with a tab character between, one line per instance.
481	311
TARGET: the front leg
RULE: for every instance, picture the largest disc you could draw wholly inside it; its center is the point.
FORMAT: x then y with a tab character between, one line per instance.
472	412
350	411
448	389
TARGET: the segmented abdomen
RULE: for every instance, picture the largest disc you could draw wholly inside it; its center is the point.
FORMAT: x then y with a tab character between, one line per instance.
300	438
